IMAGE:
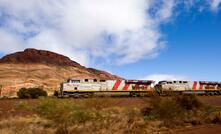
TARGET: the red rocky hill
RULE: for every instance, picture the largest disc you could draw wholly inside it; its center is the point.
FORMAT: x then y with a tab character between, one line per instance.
40	68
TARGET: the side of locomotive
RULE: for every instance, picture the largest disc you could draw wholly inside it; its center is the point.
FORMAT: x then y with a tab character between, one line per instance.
89	87
189	87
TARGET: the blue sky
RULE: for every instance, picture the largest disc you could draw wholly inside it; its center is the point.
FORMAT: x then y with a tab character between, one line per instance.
136	39
193	50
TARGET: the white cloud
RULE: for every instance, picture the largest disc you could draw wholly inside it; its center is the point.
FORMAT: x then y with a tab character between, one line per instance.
6	39
160	77
119	31
166	10
85	29
215	4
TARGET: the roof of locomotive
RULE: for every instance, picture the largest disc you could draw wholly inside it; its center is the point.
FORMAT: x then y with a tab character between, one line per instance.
139	81
85	80
210	82
103	80
183	81
173	81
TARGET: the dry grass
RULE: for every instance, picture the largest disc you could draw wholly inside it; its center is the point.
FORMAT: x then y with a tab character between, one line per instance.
183	110
104	116
114	121
97	115
99	103
31	125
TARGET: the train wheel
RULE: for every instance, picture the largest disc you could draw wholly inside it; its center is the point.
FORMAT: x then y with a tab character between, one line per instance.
207	93
133	94
169	93
76	96
216	93
88	95
212	93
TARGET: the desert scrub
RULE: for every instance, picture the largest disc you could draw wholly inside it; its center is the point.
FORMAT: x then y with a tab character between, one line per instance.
99	103
63	112
73	116
33	93
27	125
188	102
163	108
179	110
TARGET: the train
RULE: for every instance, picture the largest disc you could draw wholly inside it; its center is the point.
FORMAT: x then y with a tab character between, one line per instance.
135	88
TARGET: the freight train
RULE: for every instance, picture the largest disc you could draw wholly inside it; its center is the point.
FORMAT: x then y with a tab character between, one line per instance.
90	87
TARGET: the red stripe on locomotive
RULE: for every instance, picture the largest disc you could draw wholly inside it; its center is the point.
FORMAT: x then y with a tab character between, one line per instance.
145	86
194	85
137	84
127	84
201	86
116	85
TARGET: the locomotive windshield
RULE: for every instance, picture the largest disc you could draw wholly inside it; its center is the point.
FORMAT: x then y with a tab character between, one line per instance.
162	82
73	81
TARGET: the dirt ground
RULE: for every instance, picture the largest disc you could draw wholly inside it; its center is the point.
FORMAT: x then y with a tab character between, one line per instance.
8	108
214	129
206	129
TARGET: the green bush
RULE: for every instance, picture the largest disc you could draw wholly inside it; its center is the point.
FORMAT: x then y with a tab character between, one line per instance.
188	102
178	110
63	113
168	109
172	107
25	93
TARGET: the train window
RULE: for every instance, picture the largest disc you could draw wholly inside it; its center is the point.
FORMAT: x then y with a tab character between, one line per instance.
75	88
95	80
86	80
102	80
75	81
185	82
160	82
169	82
181	82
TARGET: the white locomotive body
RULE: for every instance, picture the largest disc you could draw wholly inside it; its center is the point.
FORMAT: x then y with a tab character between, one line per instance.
91	86
87	87
199	87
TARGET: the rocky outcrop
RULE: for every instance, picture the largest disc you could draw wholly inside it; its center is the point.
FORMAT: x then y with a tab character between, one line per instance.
40	68
38	56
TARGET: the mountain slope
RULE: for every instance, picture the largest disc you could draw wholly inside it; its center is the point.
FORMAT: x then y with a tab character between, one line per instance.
39	68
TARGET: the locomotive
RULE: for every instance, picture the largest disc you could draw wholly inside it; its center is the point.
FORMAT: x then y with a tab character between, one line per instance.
189	87
90	87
